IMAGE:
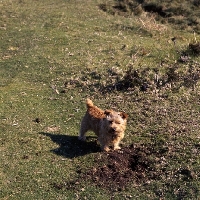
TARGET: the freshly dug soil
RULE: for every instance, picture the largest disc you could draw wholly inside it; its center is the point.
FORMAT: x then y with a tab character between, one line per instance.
116	170
129	165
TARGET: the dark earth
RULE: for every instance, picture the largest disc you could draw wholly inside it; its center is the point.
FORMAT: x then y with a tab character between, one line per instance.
129	165
116	170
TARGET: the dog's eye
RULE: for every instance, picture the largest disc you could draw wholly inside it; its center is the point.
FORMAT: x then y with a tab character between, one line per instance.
110	122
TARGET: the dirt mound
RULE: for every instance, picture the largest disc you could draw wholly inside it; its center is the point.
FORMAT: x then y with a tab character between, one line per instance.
130	165
116	170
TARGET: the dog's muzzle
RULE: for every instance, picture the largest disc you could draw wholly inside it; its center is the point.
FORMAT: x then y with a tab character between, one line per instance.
113	131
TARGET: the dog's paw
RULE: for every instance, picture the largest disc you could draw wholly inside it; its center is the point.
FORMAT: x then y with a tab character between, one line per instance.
117	148
106	149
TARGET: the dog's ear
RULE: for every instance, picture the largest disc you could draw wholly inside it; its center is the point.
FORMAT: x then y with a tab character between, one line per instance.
107	112
123	115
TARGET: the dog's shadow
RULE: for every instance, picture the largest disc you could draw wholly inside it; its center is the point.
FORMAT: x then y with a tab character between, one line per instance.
71	147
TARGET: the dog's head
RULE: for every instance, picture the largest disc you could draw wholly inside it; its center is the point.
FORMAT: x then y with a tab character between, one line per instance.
116	121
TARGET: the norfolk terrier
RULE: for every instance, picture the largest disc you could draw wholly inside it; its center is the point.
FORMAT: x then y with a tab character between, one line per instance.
108	125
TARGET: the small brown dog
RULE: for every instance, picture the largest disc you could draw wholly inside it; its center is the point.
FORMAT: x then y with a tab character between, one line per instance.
108	125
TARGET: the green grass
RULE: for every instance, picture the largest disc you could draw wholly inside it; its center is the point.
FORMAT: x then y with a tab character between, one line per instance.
180	14
55	54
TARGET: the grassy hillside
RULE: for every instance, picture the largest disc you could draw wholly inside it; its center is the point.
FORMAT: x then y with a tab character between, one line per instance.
181	14
53	56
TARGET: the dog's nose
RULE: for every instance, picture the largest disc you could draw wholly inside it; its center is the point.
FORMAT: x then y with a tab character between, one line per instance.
113	129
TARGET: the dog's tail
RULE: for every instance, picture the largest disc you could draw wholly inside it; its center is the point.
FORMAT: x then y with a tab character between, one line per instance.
89	103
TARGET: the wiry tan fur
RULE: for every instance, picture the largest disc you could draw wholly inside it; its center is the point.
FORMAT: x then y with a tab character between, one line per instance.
108	125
